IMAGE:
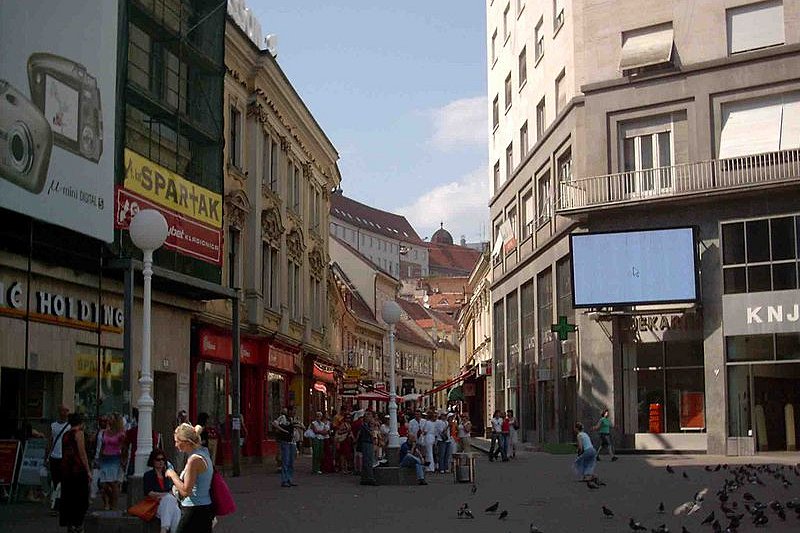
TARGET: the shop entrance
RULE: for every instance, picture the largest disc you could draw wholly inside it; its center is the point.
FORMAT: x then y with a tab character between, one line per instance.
165	393
41	405
758	400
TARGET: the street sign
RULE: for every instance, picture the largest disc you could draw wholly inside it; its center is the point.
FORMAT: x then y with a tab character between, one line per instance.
563	328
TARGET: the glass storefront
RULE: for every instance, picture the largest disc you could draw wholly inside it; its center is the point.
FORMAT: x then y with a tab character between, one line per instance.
213	396
98	381
274	397
669	386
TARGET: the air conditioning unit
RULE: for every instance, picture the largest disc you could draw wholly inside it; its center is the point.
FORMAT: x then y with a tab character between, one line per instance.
482	369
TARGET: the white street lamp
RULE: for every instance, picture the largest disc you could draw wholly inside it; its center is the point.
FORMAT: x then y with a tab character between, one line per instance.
391	315
148	231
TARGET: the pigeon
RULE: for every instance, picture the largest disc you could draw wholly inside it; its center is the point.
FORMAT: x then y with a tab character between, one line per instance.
493	508
684	530
608	513
463	510
661	508
661	529
708	519
707	468
636	526
670	470
468	513
474	489
760	520
535	529
592	485
747	496
716	469
685	475
503	515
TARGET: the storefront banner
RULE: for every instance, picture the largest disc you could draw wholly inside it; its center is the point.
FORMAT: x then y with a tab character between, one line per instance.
323	375
216	345
176	193
692	410
58	99
281	359
761	312
186	236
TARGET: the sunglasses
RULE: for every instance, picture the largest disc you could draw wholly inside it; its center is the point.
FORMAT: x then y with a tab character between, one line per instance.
159	459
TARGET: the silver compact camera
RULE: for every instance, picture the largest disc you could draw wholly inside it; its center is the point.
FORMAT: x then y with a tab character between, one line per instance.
25	140
69	98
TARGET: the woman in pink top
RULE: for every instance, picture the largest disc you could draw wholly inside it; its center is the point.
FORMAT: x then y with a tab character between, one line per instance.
109	459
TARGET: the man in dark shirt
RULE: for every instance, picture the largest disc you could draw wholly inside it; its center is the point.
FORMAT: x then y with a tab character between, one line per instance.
284	428
365	444
411	457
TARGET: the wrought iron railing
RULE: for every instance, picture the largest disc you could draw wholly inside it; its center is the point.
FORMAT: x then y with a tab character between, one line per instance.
679	180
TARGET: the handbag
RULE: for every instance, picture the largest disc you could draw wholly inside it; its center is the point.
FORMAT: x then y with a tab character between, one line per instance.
221	498
310	433
145	509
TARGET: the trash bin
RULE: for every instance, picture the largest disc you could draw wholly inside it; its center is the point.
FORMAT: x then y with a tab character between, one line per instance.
464	467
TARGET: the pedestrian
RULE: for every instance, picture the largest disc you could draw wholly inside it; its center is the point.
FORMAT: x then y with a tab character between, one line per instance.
427	439
344	445
111	461
193	485
411	457
464	433
603	428
54	449
328	448
158	486
284	425
513	427
365	445
75	476
455	441
319	430
443	439
496	446
587	456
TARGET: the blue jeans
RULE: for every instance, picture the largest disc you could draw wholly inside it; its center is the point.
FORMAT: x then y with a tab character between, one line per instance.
500	440
412	461
444	456
287	461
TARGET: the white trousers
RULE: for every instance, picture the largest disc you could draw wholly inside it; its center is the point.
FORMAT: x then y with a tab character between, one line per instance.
427	448
169	513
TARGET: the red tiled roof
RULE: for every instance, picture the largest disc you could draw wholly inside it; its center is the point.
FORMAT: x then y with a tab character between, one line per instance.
407	334
371	219
361	309
414	310
451	259
442	317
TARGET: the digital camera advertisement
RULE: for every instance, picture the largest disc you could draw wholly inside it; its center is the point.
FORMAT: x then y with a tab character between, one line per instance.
58	80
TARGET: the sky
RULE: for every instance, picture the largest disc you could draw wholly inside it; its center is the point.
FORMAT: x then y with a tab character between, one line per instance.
400	90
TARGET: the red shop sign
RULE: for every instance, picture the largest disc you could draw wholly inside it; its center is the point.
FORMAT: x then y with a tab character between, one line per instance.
281	359
323	375
219	346
186	236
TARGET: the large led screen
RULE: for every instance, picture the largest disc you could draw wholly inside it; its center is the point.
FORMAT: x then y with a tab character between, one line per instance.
634	267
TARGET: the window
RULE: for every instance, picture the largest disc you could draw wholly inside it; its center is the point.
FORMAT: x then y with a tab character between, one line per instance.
647	158
538	51
494	47
496	176
512	339
269	275
646	47
544	304
523	67
565	167
544	190
270	163
508	91
316	303
558	14
234	257
495	112
297	188
499	358
527	215
512	220
761	255
540	118
564	290
523	140
294	290
509	160
290	188
561	93
234	137
506	29
755	26
760	125
139	56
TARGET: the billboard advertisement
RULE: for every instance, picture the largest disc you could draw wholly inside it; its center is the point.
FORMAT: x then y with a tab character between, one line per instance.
58	80
634	267
193	213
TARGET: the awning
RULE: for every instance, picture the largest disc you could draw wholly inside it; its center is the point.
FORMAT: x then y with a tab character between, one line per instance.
456	394
464	375
376	396
646	47
760	126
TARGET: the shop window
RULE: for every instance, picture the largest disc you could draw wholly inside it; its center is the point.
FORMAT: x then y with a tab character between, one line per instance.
758	278
757	240
782	238
212	392
274	398
650	393
683	353
739	423
749	347
733	240
499	354
544	303
98	388
787	346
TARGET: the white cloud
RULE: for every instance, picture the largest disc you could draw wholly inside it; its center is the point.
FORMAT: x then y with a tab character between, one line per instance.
462	206
460	123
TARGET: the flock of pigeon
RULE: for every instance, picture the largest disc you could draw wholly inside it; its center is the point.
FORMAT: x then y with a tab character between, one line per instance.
731	512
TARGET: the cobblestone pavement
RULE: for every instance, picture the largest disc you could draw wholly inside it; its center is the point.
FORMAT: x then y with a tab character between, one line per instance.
534	488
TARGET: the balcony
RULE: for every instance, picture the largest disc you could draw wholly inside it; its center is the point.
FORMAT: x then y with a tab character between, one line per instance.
676	181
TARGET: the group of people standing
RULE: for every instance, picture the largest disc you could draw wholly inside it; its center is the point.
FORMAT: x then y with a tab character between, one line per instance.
184	499
504	435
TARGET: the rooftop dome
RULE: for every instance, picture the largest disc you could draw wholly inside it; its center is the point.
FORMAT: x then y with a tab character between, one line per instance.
442	236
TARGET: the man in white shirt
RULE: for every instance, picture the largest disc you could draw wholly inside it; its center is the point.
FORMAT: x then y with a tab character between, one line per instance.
497	431
57	430
414	425
426	440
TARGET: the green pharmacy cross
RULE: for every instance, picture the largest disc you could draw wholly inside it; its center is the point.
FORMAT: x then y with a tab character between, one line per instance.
563	328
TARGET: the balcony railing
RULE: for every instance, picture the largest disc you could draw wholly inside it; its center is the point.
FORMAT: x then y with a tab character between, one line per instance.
680	180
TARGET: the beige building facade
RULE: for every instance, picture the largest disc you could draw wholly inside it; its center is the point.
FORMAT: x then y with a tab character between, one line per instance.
683	114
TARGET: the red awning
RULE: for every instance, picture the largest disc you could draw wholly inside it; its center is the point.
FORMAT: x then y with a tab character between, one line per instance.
464	375
375	395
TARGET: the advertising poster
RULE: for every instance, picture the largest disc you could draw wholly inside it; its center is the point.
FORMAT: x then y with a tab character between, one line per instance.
58	81
9	452
693	414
